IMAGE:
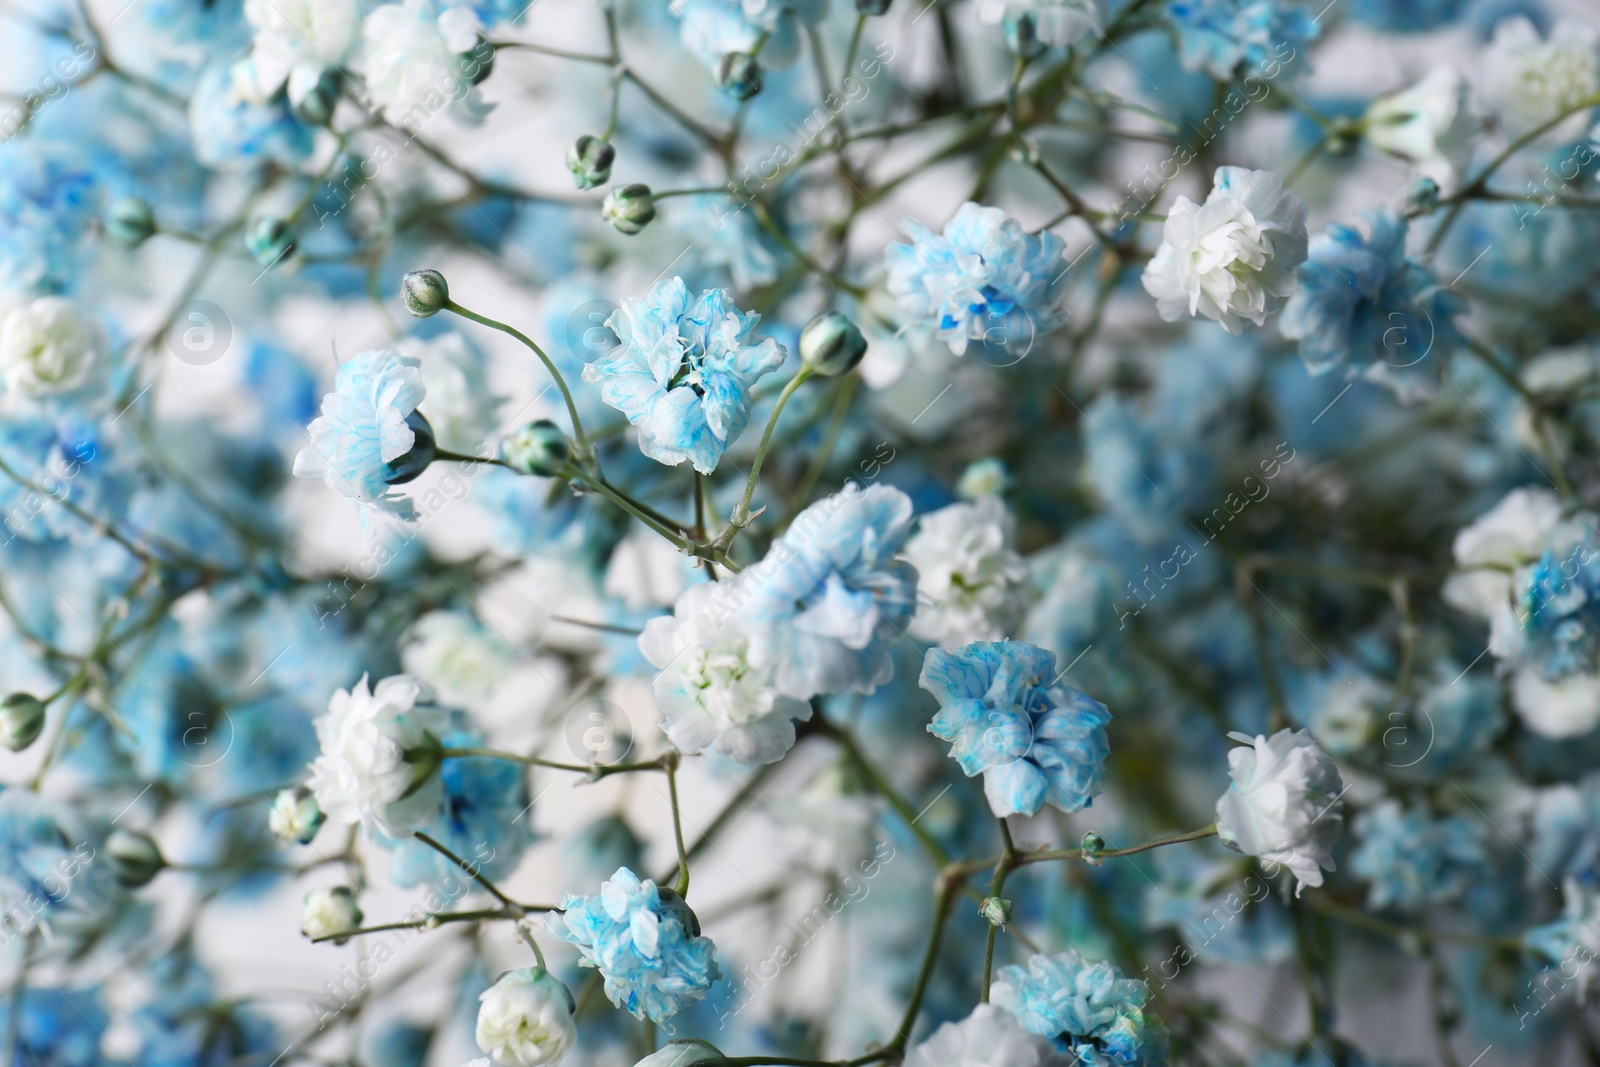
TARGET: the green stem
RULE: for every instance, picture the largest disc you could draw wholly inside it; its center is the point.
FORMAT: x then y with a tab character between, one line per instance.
595	770
682	885
631	506
943	899
472	871
431	920
741	513
584	450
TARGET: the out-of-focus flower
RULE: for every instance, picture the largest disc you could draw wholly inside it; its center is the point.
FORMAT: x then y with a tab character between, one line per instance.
1531	81
1428	125
50	348
329	913
1411	860
1229	38
294	39
420	58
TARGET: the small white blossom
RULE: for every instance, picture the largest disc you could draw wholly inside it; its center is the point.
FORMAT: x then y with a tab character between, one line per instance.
1058	23
1568	707
462	410
1427	124
1285	805
48	347
329	913
1529	82
971	584
375	766
455	658
294	37
710	692
525	1019
989	1037
1233	258
419	61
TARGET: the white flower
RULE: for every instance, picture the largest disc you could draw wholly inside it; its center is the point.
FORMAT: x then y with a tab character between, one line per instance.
1529	82
379	756
645	571
525	1019
1232	258
328	913
49	347
1427	124
461	409
971	581
1057	23
709	692
1508	537
828	829
418	61
453	656
989	1037
1345	718
1569	707
1285	805
293	37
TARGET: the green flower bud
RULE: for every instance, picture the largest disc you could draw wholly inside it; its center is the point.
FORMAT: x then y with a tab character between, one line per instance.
831	345
1022	35
739	75
424	293
295	815
130	221
629	208
135	859
21	720
685	1052
329	913
539	448
997	910
414	462
589	160
269	240
1093	844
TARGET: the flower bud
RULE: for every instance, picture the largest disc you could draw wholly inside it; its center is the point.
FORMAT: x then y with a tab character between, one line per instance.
589	160
1092	843
539	448
130	221
629	208
414	462
21	720
269	240
424	293
685	1052
1424	194
314	94
872	7
1022	35
739	75
525	1018
295	815
997	910
831	345
329	913
134	857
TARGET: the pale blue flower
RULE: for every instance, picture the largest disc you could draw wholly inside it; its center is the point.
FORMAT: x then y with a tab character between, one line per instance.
48	875
1089	1007
683	372
1007	717
1362	305
984	279
645	942
713	28
47	198
230	133
1559	614
1405	16
367	425
1412	860
54	1027
830	596
1228	38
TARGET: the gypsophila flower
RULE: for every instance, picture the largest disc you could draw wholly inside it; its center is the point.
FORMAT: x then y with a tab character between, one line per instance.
1088	1007
330	913
1412	860
49	348
1057	23
294	39
1572	942
1233	258
970	580
1531	81
525	1019
712	29
709	692
683	372
989	1037
1228	38
645	942
1007	717
983	279
419	58
1364	307
365	428
1284	805
380	756
462	408
457	659
1428	125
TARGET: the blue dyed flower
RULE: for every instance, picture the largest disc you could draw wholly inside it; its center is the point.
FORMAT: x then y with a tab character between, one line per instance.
984	279
231	133
1089	1007
1007	717
1559	613
683	372
1405	16
367	424
713	28
823	606
185	1024
1228	38
54	1027
645	942
1572	941
1363	305
48	877
47	197
1412	860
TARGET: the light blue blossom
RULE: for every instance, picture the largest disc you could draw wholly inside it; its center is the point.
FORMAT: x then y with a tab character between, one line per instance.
183	1024
1412	860
1228	38
1222	910
1007	717
1134	471
55	1027
645	942
367	425
230	133
1405	16
48	877
984	279
1559	614
47	197
683	372
713	28
1089	1007
1362	305
830	596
